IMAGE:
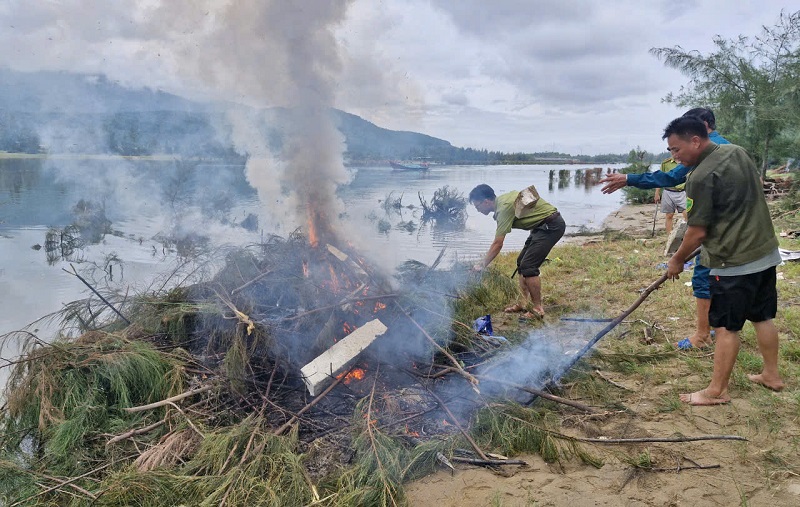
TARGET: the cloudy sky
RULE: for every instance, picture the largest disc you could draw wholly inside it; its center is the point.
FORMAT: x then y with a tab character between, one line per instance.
510	75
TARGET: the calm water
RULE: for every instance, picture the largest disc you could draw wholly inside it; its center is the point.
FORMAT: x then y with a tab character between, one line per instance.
145	200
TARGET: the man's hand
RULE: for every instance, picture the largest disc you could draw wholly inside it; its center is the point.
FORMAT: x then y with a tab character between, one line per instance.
657	197
674	267
477	267
614	182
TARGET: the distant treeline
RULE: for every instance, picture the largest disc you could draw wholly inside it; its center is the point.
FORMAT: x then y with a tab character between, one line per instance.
198	134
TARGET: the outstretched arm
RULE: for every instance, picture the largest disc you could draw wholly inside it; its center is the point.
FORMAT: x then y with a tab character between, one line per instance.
494	249
657	179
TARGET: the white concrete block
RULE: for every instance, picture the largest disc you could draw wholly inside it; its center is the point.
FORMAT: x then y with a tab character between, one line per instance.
321	371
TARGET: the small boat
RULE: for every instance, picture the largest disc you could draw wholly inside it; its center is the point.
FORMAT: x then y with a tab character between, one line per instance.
409	166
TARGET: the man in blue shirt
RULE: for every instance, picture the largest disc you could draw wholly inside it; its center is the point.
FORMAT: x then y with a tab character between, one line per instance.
657	179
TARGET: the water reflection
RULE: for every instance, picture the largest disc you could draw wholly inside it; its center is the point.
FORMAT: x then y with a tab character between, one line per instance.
110	214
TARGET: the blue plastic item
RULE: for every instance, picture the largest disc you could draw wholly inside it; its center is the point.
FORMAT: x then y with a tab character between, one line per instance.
483	325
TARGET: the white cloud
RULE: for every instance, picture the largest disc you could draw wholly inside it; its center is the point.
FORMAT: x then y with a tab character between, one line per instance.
513	75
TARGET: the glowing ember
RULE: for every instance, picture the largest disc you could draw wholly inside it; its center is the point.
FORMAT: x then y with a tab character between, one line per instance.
355	374
305	269
348	328
334	279
411	433
378	307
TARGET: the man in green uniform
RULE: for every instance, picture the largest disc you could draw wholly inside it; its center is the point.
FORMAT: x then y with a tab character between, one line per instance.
546	227
728	216
674	198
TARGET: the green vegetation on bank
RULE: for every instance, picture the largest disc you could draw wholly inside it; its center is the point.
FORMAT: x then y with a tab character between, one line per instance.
751	84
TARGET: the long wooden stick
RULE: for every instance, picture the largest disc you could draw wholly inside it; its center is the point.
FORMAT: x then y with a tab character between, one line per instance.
75	272
313	402
660	439
488	462
458	425
541	394
471	378
611	325
679	468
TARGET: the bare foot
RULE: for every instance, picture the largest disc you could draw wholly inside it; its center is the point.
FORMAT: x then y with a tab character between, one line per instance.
532	315
775	385
516	307
701	398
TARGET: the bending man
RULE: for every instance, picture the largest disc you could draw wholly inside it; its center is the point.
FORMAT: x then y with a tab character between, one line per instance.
728	216
546	227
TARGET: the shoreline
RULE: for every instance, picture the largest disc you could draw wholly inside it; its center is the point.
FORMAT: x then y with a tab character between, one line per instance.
631	219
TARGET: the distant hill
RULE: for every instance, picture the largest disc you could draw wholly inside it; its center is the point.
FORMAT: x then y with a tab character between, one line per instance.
79	113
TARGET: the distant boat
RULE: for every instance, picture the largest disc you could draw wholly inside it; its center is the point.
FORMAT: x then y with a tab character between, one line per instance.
409	166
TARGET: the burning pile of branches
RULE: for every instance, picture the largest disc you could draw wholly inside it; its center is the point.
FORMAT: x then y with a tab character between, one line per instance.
296	374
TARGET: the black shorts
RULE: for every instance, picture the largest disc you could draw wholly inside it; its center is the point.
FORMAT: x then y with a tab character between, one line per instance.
539	243
735	299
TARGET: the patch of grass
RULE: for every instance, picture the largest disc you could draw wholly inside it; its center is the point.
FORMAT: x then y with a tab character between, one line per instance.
667	404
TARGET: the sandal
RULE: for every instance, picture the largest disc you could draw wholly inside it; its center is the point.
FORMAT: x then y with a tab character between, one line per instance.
515	308
531	316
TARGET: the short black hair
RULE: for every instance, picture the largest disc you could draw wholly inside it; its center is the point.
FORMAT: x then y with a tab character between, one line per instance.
686	127
481	192
703	114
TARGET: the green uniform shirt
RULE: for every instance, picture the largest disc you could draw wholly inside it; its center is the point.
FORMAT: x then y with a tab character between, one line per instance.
725	196
506	220
667	165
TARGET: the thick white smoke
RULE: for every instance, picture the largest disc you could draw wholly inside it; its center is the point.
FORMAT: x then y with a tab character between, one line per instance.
278	54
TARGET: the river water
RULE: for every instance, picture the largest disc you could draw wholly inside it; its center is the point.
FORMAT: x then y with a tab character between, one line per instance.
145	200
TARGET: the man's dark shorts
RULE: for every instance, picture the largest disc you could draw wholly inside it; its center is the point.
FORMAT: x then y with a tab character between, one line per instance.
539	243
735	299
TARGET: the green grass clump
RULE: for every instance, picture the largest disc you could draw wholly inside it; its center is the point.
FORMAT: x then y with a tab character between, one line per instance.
512	429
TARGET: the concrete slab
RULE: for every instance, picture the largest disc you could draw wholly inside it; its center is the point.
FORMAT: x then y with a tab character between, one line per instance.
321	371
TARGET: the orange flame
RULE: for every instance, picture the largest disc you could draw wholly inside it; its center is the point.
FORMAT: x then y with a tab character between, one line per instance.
305	269
378	307
334	280
313	239
355	374
411	433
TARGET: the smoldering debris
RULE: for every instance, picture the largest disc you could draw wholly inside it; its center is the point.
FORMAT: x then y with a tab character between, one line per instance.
219	363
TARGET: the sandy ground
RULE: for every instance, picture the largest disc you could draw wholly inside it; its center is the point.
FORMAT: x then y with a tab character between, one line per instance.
741	478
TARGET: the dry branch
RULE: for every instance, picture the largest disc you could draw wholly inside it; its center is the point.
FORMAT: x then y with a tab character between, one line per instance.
458	425
471	378
542	394
489	462
611	325
75	273
313	402
137	431
660	439
168	401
